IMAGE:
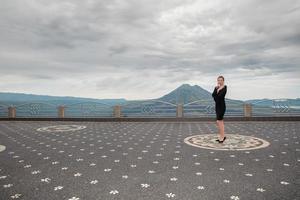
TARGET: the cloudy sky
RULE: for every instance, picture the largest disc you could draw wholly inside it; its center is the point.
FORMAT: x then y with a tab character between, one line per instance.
140	49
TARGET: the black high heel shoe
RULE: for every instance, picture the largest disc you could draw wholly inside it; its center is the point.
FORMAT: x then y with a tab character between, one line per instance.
222	140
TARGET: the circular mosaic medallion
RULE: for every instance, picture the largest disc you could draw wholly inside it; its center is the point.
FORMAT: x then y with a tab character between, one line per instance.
232	142
61	128
2	148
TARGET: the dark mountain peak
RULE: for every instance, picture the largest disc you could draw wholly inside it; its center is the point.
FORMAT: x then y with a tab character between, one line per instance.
186	93
187	86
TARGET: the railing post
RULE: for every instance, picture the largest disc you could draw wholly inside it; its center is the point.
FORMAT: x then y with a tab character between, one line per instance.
11	112
179	110
247	110
61	111
117	111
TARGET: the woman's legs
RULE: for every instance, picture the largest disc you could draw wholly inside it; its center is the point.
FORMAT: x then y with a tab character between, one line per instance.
220	124
221	129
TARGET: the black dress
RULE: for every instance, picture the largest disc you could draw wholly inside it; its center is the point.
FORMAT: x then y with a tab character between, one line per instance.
220	102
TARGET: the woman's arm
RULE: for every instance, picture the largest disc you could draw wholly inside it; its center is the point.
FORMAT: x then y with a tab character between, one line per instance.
214	94
223	92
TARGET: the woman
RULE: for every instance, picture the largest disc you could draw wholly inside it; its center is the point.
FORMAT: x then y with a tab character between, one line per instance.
219	97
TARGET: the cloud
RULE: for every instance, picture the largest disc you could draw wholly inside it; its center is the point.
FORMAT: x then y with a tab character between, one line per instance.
143	49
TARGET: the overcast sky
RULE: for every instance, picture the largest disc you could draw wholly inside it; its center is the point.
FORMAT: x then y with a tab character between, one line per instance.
141	49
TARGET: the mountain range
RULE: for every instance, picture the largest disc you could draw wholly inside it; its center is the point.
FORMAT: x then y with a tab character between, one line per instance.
185	93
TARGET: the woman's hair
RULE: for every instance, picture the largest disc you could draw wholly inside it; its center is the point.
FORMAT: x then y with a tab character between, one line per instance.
222	77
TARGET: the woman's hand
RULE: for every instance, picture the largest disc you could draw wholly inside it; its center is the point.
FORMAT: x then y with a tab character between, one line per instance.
220	88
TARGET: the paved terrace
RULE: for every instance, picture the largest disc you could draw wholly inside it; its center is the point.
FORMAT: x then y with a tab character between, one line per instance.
149	160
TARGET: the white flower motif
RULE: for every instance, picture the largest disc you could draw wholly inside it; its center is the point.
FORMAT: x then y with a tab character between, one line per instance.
226	181
15	196
36	172
107	170
116	160
175	167
132	165
92	164
104	156
286	164
176	159
46	180
200	187
260	190
248	174
284	183
170	195
155	162
64	168
241	164
79	159
221	169
74	198
77	174
216	159
234	198
58	187
145	185
8	185
173	179
3	177
94	182
151	171
114	192
198	173
55	163
125	176
27	166
197	163
269	170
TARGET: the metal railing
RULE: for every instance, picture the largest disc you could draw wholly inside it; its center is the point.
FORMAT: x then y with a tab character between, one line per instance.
279	107
87	109
35	109
3	110
148	108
